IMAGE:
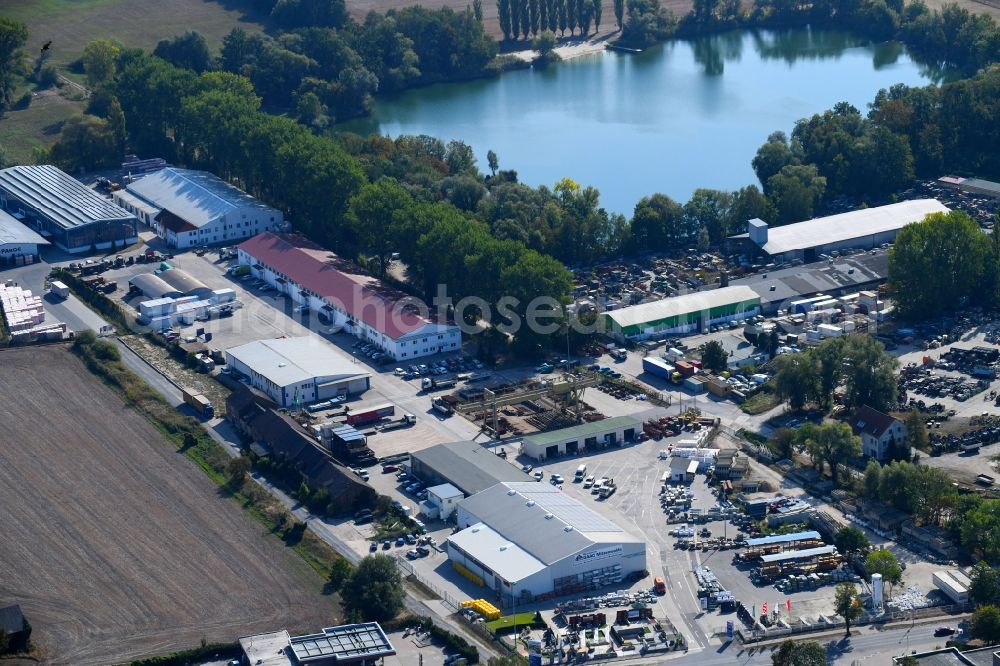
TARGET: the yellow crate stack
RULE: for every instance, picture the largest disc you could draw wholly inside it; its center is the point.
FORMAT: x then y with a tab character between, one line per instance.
483	607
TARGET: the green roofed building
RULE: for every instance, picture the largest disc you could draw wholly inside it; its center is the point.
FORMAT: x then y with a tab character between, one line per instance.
592	436
689	313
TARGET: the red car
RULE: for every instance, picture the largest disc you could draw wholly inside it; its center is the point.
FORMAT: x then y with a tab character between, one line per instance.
386	469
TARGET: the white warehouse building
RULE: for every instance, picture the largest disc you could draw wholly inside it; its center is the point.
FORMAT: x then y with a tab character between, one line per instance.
342	294
527	540
190	208
297	371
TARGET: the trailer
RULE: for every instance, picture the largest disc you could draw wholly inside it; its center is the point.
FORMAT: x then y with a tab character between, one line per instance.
985	480
434	384
371	414
200	403
406	421
657	367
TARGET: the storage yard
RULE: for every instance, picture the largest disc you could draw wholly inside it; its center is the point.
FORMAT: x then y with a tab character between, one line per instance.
115	545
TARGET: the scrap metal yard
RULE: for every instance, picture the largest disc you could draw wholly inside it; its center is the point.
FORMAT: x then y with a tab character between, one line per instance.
115	544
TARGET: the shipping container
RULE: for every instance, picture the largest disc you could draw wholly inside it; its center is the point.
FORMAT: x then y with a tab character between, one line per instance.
370	414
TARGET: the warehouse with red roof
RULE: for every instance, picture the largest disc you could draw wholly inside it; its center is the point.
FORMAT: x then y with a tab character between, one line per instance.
345	295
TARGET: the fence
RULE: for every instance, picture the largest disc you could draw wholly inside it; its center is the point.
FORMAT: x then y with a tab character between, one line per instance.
409	570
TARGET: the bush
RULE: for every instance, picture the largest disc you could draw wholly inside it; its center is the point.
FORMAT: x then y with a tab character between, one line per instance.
48	77
24	101
185	657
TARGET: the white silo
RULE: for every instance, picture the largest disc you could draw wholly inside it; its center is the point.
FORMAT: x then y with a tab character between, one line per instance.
876	590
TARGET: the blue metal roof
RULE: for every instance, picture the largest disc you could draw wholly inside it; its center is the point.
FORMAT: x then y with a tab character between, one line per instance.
782	538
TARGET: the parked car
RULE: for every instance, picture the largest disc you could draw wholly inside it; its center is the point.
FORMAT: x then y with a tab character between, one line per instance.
538	474
386	469
412	554
386	544
410	539
556	479
400	541
372	548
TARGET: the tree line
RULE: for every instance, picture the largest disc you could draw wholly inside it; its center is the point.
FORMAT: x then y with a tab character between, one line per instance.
858	363
943	263
528	18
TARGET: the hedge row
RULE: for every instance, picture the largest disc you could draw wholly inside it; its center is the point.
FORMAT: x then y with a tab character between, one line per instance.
194	655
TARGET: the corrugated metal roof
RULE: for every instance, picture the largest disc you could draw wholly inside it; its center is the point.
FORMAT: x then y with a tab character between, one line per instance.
469	466
13	232
59	197
323	273
506	559
288	361
680	305
543	520
153	286
978	185
184	282
583	430
850	225
782	538
798	554
197	197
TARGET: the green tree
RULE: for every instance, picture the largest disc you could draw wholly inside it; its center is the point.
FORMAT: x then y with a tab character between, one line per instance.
477	10
99	58
376	213
985	584
116	123
620	13
799	653
13	35
830	443
851	540
189	51
871	479
937	265
340	572
979	530
795	378
714	356
782	442
563	13
884	562
795	190
375	589
916	435
597	10
236	471
503	16
525	14
545	43
985	624
829	356
491	157
847	605
869	373
772	157
533	17
86	142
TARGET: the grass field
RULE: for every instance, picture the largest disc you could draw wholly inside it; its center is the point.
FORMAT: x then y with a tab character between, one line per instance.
22	130
115	544
71	24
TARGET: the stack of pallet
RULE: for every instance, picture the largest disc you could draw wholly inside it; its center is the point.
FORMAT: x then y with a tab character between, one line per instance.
22	311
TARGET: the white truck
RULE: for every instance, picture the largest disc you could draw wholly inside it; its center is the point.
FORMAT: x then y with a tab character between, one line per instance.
58	289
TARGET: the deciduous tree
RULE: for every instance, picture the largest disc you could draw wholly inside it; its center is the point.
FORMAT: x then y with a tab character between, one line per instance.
847	605
375	589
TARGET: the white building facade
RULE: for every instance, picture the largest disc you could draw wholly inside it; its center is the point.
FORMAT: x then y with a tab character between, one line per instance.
190	208
529	540
343	296
297	371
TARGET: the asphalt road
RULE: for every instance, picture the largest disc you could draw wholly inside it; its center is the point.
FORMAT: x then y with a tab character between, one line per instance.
865	646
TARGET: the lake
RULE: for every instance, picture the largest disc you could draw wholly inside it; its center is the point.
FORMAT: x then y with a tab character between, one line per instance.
682	115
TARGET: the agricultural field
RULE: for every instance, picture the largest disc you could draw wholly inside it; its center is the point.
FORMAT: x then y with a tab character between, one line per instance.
116	545
71	24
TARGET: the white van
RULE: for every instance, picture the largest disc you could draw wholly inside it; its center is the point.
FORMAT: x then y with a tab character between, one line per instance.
581	472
